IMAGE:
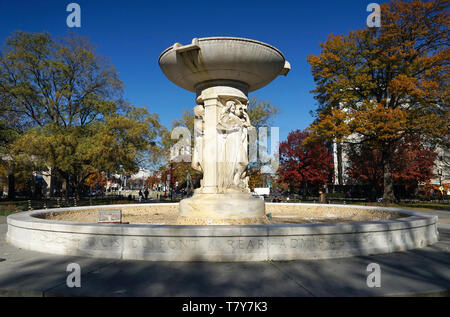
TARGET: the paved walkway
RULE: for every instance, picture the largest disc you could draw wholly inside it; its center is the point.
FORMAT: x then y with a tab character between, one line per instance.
419	272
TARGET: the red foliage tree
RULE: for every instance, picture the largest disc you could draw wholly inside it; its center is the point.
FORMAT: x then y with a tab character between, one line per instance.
412	163
96	181
302	166
151	180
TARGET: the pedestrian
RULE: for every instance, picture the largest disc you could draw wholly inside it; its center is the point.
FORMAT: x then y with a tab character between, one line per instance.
322	198
146	192
373	194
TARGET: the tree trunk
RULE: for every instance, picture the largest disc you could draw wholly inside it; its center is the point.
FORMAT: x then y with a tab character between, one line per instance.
339	163
11	185
67	181
388	185
51	192
305	192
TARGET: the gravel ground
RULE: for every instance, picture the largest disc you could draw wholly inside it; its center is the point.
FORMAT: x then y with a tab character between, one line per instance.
280	215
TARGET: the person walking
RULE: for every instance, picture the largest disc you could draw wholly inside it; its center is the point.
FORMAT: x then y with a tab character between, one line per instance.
322	198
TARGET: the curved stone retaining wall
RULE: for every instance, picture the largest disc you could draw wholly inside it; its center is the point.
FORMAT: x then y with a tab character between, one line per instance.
221	243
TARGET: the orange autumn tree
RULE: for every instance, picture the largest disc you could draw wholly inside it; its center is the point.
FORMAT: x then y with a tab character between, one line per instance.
378	86
255	178
96	180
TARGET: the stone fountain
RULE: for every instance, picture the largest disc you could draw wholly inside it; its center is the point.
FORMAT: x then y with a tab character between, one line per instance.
222	71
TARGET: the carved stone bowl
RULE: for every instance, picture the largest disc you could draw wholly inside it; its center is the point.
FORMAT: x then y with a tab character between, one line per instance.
212	59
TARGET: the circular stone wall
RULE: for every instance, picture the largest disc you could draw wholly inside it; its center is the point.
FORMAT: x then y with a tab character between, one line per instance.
29	230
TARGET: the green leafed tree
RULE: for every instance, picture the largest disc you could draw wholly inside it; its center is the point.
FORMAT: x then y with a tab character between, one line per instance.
70	99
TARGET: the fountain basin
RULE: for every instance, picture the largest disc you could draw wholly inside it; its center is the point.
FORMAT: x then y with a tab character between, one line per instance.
252	63
222	242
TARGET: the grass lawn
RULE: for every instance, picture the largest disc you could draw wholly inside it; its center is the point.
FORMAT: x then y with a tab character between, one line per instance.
427	206
8	207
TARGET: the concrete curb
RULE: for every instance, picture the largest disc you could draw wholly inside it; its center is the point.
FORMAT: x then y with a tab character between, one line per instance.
222	243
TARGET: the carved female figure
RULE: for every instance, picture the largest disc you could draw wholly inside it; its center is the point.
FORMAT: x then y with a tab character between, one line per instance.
232	144
197	155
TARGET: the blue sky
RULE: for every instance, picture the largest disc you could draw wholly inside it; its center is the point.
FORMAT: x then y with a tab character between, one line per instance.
133	33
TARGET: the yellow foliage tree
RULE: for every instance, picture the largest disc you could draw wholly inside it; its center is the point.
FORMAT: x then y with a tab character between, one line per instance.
382	84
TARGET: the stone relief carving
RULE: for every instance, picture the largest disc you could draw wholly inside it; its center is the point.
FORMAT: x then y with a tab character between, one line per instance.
232	140
199	128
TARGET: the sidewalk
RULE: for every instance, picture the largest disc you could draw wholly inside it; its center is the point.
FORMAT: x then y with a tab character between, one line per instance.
418	272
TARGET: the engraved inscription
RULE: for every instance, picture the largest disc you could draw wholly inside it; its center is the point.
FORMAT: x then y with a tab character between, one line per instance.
318	242
100	243
55	239
164	244
307	243
249	245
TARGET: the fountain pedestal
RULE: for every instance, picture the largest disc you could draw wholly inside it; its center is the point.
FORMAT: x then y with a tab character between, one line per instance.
222	209
221	153
222	70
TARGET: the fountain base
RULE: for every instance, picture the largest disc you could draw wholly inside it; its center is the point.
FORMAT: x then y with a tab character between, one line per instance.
222	209
374	230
